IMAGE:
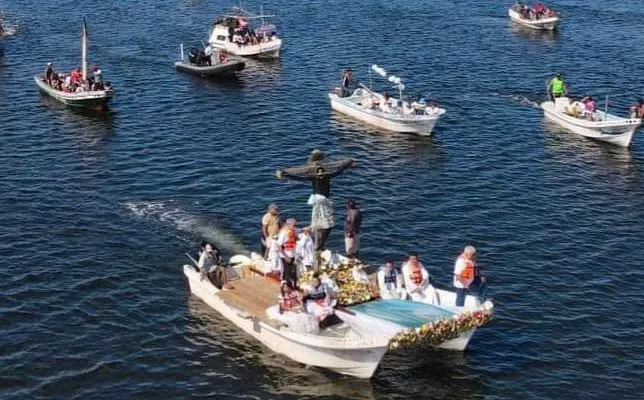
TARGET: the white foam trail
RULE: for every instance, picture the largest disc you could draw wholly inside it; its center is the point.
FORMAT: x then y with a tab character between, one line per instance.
171	214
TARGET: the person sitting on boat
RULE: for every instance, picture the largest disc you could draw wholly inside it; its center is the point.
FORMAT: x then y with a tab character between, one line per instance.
407	109
432	109
290	311
49	73
419	106
390	282
467	278
637	110
417	280
206	259
76	76
557	87
384	104
287	240
305	251
290	298
589	107
318	299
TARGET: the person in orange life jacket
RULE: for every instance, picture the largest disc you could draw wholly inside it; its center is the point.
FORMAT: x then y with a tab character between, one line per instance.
287	240
417	280
318	300
467	278
291	298
390	282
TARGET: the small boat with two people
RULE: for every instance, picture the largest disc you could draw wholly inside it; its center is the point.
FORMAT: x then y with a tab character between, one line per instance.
209	62
245	34
381	110
334	318
77	89
538	17
584	118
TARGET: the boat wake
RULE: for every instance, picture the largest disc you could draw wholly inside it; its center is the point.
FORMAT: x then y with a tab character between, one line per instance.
170	213
522	99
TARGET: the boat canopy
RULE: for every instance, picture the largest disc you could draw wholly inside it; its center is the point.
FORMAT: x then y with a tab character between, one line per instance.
409	314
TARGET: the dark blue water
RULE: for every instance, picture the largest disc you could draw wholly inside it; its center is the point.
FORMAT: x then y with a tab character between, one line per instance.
97	211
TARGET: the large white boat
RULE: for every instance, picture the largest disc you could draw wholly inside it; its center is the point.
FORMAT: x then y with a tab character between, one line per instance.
89	99
548	21
353	347
603	126
245	34
377	109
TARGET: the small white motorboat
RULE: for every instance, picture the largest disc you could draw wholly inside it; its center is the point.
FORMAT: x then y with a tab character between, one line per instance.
603	126
89	99
547	22
245	34
375	109
218	63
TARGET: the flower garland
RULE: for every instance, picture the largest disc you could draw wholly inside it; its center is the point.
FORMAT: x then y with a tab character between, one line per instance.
435	333
350	290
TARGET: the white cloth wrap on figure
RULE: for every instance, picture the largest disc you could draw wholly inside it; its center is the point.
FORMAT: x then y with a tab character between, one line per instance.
298	322
322	213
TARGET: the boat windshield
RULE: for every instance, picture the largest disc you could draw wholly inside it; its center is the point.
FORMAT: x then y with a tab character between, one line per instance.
409	314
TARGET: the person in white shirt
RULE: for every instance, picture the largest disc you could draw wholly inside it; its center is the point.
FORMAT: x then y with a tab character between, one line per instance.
305	250
384	103
467	277
273	250
417	282
432	109
390	282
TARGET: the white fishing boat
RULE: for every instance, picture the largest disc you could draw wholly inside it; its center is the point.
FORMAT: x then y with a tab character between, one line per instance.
91	99
603	126
544	23
6	29
377	109
218	63
353	347
246	34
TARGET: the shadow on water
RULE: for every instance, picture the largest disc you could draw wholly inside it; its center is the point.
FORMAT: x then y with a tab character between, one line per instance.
280	375
214	82
536	35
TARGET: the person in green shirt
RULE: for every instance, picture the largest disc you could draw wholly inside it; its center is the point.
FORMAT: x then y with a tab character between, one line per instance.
557	87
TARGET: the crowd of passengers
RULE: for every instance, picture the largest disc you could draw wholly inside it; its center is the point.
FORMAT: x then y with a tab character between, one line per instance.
240	33
538	11
73	81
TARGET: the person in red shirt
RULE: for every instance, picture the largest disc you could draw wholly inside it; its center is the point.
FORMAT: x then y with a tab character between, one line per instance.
76	76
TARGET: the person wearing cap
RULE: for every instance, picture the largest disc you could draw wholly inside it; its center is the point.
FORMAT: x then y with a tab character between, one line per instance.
390	282
557	87
352	229
467	278
49	73
417	280
270	226
287	240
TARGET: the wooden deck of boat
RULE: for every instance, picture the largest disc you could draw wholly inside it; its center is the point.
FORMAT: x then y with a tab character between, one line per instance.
252	295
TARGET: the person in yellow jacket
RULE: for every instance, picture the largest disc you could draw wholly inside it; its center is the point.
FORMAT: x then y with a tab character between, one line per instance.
557	87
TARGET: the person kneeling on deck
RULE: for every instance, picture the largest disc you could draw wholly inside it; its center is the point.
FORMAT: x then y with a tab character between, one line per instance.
467	278
287	240
390	282
290	311
417	281
318	299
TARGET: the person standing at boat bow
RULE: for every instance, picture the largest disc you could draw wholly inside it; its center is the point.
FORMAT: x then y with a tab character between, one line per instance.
467	277
270	226
287	240
557	87
347	81
319	173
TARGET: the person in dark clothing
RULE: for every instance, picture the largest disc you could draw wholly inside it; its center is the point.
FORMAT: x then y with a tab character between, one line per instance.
352	229
319	173
49	73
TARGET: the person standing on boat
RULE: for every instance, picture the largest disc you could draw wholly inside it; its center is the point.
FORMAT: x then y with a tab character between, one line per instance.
390	282
352	229
98	77
49	73
347	81
467	278
417	280
557	87
287	240
319	173
270	226
589	107
305	250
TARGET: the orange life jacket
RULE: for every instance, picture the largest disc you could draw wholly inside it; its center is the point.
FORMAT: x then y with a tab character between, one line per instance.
291	240
416	273
467	274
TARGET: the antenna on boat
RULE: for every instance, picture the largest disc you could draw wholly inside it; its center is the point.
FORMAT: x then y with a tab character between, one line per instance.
606	108
181	47
84	49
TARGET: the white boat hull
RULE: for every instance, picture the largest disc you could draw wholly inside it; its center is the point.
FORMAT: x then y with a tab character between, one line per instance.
544	24
420	125
611	129
269	49
98	99
354	357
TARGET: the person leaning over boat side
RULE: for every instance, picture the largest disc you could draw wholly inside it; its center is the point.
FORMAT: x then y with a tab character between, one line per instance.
270	226
557	87
318	299
417	280
287	239
390	282
467	278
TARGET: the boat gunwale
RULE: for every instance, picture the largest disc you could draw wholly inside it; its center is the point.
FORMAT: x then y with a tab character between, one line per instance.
379	114
82	96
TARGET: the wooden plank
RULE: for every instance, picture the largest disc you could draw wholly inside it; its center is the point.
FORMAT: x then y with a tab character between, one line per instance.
252	296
